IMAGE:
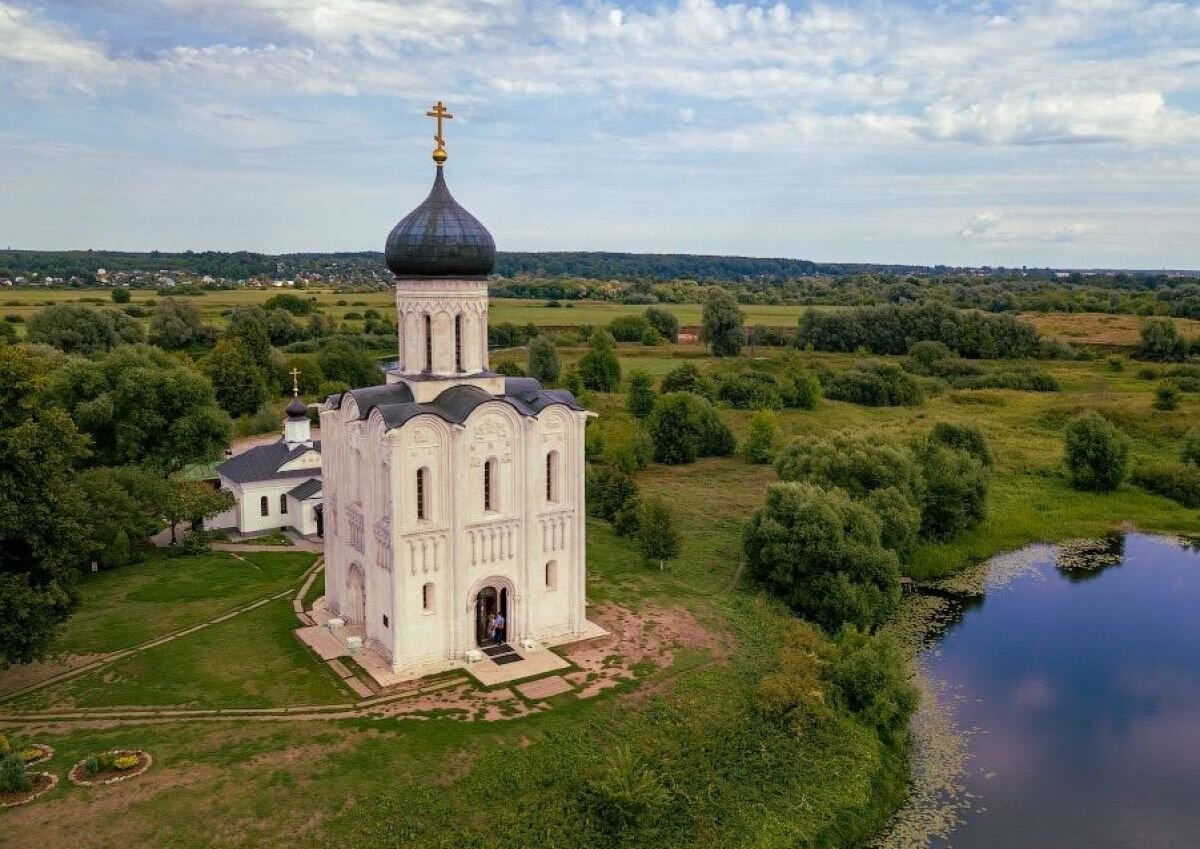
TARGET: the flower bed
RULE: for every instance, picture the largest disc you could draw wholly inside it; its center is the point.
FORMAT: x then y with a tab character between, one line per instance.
110	767
42	782
36	753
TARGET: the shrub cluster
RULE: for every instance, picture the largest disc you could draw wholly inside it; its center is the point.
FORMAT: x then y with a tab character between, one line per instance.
1178	481
13	776
874	384
893	329
684	426
1097	452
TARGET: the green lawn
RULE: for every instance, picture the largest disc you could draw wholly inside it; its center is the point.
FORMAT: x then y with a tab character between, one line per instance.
124	607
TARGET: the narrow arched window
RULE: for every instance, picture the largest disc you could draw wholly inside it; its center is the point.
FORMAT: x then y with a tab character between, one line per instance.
552	575
552	476
427	597
283	504
264	506
489	485
422	494
458	326
428	343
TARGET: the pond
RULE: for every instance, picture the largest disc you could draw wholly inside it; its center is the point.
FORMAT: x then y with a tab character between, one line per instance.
1073	685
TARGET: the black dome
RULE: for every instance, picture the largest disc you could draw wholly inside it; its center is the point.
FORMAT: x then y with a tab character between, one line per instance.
440	239
297	409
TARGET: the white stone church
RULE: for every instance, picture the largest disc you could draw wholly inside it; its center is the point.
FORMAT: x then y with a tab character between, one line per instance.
451	493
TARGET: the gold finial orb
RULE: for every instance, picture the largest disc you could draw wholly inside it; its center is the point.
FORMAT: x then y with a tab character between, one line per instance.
441	114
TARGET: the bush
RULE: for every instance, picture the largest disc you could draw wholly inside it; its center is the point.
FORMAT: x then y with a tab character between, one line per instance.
194	542
639	397
1166	397
684	426
875	384
1116	364
658	536
1097	453
543	361
1189	452
609	491
13	776
802	392
625	445
1025	379
762	436
664	322
820	552
687	378
857	463
750	390
962	437
954	495
121	295
629	328
599	368
1160	341
899	520
651	338
870	679
1178	481
509	368
925	357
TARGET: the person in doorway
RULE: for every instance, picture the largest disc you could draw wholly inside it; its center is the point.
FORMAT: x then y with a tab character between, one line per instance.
499	626
491	627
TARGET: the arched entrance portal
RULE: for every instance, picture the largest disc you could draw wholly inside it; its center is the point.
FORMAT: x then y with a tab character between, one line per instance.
489	602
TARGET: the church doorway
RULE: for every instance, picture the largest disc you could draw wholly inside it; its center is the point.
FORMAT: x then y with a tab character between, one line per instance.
489	602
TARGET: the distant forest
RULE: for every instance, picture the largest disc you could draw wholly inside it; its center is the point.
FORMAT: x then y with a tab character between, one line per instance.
586	265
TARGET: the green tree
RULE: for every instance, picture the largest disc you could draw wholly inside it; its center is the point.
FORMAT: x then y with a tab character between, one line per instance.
820	552
510	368
294	304
1160	341
236	378
599	368
118	552
282	328
687	378
664	322
74	328
346	365
954	493
628	328
658	536
857	463
193	502
640	395
802	391
177	323
141	406
684	426
721	327
625	444
899	520
43	540
1097	452
870	679
762	437
963	437
121	295
543	361
609	492
126	500
250	324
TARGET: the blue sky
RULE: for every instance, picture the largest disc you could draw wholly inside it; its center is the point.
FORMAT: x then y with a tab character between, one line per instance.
1059	133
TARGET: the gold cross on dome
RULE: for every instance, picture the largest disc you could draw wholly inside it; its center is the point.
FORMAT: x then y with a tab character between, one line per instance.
295	372
439	112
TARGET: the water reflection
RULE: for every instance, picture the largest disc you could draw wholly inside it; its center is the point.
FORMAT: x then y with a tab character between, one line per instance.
1085	690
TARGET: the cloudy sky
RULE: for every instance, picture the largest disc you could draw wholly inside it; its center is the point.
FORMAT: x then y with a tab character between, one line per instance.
1049	132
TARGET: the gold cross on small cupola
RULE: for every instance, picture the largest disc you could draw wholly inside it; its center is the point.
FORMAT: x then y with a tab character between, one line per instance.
439	112
295	372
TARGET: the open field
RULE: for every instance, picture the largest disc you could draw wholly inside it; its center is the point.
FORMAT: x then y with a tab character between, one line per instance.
1103	329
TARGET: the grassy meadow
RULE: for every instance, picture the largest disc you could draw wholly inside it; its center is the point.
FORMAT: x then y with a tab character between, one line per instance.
438	782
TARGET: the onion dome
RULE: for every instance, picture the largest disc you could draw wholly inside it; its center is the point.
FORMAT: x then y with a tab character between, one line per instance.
440	239
296	409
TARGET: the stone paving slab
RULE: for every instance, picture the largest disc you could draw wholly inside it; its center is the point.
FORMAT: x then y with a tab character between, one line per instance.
544	688
489	673
340	669
358	686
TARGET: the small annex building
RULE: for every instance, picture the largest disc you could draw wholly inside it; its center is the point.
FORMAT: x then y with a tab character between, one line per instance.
276	486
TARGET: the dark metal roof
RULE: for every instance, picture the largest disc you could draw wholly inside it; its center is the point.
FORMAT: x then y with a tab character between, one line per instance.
296	409
440	239
306	490
456	404
262	463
